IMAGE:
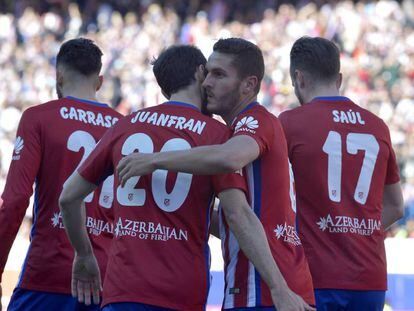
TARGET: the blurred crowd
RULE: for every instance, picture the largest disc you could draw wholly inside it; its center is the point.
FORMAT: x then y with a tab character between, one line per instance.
376	40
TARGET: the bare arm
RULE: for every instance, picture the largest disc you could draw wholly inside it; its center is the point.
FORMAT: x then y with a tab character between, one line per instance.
252	240
86	278
392	205
73	212
233	155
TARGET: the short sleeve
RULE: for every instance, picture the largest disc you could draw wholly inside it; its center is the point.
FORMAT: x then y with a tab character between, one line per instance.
223	182
257	125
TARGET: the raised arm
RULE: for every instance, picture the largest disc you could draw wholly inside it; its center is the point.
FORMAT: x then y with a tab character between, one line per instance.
86	279
207	160
252	240
393	204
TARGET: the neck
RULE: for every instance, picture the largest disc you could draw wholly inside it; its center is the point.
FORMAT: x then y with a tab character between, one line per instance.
243	103
187	97
80	91
321	91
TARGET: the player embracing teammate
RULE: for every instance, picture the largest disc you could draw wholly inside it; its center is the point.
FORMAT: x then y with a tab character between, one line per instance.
347	180
346	177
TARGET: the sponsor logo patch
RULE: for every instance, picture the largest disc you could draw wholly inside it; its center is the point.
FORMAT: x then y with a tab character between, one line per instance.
93	225
287	233
18	147
247	124
346	224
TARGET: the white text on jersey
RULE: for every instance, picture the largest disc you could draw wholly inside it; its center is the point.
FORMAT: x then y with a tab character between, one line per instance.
167	120
346	224
94	226
347	117
148	230
86	116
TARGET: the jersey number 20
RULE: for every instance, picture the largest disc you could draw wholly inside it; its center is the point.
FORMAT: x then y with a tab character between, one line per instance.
168	202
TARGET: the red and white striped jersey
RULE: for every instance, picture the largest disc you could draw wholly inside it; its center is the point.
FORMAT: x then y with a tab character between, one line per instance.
272	199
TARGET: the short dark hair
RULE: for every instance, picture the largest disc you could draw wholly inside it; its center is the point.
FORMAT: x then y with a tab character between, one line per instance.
317	56
248	58
176	66
81	55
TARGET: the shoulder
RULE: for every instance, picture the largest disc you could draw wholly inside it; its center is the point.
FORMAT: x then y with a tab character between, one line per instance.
215	124
372	116
35	113
286	114
50	105
374	123
257	122
216	131
291	113
111	111
44	110
123	122
254	116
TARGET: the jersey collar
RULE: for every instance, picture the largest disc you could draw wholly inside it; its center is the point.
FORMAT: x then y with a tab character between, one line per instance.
248	107
86	101
182	104
330	98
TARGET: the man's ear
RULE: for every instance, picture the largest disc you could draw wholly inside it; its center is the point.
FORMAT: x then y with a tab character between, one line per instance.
300	78
339	81
59	78
200	74
99	83
249	84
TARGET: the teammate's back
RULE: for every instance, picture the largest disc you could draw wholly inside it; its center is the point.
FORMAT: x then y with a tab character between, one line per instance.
55	137
52	140
342	157
160	220
347	182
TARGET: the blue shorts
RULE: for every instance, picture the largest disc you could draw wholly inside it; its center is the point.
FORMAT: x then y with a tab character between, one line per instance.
252	308
349	300
132	306
23	300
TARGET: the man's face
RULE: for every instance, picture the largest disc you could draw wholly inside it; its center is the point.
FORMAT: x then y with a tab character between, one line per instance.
222	84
